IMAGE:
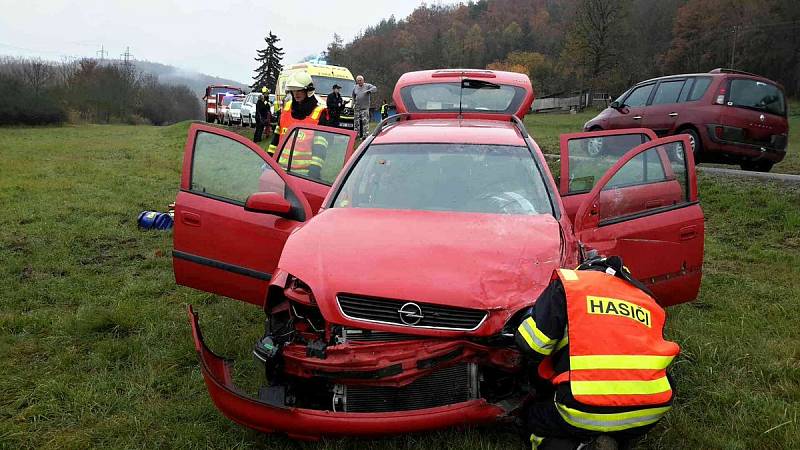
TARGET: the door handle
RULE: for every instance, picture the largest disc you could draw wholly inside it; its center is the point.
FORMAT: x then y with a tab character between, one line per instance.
191	219
687	233
637	117
674	114
653	204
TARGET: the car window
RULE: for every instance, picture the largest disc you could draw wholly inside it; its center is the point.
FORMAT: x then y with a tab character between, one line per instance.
227	169
446	97
699	88
639	96
644	183
591	157
313	154
646	167
492	179
757	95
667	92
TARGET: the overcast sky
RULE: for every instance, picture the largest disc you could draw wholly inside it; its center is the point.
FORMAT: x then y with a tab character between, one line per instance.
211	36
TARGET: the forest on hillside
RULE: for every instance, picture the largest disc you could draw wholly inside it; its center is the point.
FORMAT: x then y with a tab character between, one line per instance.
576	45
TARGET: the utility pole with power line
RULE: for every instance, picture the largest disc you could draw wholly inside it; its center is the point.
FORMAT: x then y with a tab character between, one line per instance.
127	58
102	53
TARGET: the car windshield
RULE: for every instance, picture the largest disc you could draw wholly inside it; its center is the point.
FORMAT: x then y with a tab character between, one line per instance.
493	179
757	95
324	85
236	105
227	100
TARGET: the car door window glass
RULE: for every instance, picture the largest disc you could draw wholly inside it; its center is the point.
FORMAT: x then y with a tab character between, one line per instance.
646	167
676	153
639	96
229	170
687	88
314	154
668	92
591	157
642	184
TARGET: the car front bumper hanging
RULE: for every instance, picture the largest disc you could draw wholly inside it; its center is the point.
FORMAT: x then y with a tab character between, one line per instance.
310	424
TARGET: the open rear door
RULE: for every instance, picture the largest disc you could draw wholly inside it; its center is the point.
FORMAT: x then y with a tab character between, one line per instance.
585	157
314	155
222	244
645	209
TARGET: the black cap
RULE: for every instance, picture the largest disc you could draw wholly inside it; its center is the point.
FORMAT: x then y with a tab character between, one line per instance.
336	86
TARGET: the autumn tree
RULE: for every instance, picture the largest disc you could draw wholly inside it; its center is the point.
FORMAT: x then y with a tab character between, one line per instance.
597	37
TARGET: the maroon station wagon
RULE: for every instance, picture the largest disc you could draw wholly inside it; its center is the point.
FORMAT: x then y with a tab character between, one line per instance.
730	116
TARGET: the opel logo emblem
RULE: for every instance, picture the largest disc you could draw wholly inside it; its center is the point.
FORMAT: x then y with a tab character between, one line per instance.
410	313
762	117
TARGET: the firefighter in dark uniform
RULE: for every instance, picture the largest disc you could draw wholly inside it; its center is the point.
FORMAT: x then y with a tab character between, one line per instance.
263	115
335	105
597	336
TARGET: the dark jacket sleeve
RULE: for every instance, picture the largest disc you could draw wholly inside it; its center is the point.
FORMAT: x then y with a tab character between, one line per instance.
539	333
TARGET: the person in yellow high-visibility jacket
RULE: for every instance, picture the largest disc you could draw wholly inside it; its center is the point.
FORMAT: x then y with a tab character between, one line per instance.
309	151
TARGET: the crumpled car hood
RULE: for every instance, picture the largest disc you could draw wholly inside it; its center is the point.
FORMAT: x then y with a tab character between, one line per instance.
483	261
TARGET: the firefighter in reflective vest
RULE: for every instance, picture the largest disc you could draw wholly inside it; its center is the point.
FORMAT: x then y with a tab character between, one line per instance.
597	335
304	108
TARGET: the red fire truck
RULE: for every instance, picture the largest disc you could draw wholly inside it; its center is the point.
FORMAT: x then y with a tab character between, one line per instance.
213	100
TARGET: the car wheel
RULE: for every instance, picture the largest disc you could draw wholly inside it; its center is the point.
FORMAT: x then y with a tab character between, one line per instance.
695	143
757	166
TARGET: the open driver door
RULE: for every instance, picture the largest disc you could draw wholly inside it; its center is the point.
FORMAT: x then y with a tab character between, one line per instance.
235	209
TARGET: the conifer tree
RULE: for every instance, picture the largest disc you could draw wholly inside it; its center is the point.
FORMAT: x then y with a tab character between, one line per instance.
270	66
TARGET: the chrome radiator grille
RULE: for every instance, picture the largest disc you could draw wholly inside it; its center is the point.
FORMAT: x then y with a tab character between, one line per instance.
412	314
444	387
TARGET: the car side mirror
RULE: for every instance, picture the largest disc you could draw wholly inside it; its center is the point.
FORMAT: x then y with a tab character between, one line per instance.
268	203
616	105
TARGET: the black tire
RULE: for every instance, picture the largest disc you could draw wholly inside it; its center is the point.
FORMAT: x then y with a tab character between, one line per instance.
757	166
695	142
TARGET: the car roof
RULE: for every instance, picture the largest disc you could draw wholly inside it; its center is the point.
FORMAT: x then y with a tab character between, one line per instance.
713	73
463	131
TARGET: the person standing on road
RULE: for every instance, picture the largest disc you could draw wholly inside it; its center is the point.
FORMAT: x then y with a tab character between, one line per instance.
362	98
335	105
308	151
597	336
263	116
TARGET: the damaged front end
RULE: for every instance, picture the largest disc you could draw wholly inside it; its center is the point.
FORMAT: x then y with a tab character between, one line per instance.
329	379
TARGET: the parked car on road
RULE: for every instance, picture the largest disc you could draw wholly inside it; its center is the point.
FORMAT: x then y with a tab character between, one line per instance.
392	278
233	114
224	104
730	116
248	111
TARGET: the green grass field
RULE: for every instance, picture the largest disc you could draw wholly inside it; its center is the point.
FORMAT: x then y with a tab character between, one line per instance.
95	347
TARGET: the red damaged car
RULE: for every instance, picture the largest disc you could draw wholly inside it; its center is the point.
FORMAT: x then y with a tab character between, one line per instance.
392	281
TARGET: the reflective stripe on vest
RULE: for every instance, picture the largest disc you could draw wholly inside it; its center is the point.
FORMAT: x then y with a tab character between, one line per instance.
535	338
613	421
627	368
